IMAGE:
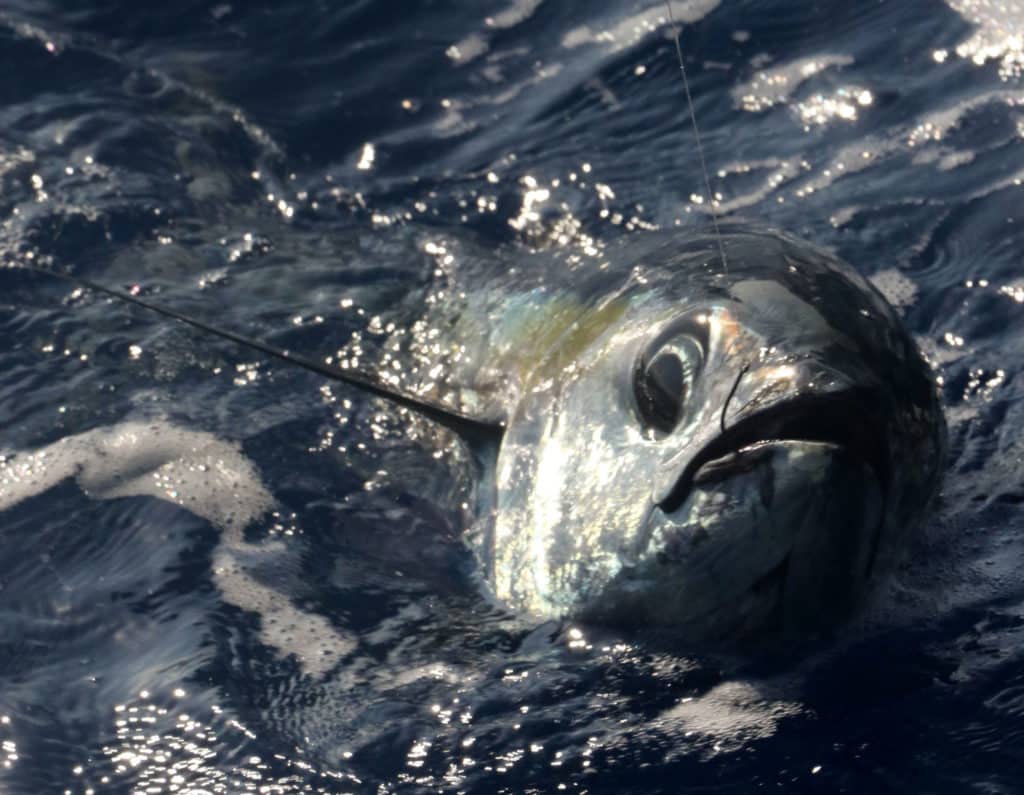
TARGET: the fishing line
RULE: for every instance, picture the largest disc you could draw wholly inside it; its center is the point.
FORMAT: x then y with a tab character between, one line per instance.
676	32
473	430
732	394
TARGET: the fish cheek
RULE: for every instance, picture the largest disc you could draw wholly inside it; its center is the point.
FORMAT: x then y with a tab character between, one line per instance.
574	484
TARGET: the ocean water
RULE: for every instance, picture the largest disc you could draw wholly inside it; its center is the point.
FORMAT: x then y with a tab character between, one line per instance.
219	574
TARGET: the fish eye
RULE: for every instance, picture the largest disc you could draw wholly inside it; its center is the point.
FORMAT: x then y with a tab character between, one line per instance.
662	385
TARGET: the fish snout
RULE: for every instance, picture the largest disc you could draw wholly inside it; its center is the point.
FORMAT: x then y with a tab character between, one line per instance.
775	523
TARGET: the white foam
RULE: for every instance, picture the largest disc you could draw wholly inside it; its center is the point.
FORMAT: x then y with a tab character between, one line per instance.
625	31
732	714
770	87
898	290
209	477
998	34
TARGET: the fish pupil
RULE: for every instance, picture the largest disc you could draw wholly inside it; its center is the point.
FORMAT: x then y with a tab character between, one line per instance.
661	392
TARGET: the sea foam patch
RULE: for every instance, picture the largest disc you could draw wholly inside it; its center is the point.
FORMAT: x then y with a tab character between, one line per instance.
206	475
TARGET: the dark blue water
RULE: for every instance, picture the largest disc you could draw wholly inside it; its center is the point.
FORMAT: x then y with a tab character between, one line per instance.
225	577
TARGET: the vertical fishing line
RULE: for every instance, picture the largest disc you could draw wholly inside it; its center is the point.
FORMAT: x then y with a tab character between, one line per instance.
696	135
732	394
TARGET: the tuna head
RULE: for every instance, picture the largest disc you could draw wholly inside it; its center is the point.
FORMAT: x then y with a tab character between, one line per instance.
732	451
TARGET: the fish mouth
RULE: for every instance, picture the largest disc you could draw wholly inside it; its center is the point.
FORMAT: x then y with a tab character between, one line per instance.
849	420
774	528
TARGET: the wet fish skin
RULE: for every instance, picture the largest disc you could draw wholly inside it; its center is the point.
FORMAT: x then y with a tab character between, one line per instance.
799	356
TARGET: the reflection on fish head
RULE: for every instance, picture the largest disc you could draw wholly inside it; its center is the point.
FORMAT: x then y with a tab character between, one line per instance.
734	451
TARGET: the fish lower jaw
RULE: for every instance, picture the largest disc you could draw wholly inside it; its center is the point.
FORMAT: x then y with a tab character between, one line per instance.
776	537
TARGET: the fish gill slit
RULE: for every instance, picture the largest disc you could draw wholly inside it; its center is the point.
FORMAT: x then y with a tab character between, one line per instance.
676	32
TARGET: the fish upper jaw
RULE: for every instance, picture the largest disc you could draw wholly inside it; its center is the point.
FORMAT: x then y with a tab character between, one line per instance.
808	396
848	419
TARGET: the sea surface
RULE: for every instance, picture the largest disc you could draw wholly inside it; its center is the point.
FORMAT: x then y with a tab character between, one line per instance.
219	574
